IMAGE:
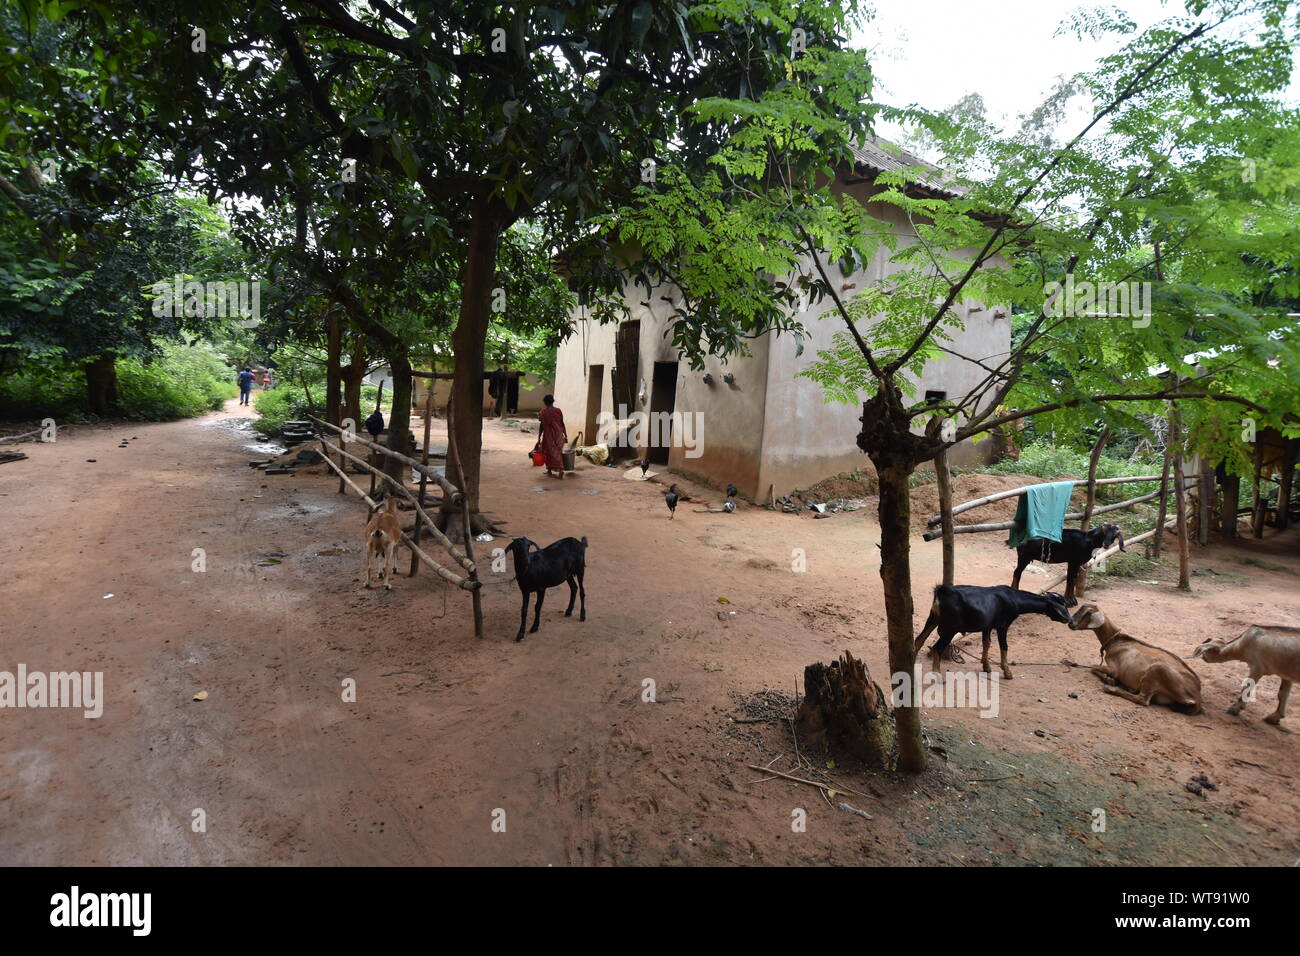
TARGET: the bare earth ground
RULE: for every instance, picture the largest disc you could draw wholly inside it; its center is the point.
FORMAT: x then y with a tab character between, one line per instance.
446	730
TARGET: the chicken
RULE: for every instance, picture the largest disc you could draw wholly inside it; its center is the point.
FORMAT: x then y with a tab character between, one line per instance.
645	463
671	498
731	490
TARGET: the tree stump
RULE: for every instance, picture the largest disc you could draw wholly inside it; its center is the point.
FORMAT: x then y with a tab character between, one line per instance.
844	709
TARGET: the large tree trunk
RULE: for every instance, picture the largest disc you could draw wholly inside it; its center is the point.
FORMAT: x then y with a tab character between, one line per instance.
101	386
1231	500
467	343
1287	483
1090	502
896	576
333	361
400	438
353	374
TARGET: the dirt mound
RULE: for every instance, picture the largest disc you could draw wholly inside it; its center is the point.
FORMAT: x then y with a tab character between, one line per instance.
857	484
925	498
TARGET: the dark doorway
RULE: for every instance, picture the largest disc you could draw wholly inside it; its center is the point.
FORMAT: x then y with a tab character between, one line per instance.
595	382
663	399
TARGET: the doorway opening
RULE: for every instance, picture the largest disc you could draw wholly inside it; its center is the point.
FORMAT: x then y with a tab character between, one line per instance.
663	400
595	383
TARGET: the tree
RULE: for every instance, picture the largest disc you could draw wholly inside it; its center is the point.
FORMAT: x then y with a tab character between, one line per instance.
1149	189
86	224
496	113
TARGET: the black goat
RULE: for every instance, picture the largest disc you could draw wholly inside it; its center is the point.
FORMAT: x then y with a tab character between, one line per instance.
542	568
966	609
1074	549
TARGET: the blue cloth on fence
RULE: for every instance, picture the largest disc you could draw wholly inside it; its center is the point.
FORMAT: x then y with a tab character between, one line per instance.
1041	512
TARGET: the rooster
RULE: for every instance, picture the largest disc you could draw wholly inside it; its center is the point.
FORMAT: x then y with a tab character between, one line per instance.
671	498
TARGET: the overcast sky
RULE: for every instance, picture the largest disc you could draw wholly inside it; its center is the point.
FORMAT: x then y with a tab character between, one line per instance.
934	52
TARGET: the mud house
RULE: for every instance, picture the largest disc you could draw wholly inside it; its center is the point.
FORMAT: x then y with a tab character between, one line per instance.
750	419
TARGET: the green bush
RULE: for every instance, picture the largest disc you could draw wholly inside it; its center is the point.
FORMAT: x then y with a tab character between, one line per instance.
183	381
288	403
1047	461
284	403
41	391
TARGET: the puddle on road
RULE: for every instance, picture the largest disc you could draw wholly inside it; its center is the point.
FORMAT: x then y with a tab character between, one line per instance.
298	509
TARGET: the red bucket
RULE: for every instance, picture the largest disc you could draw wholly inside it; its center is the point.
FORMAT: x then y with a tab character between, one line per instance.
538	457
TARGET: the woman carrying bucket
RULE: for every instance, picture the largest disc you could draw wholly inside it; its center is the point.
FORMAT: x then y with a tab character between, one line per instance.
552	436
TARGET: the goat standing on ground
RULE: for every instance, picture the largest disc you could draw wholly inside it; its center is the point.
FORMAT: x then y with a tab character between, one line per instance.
966	609
1268	649
542	568
1075	549
383	533
1136	670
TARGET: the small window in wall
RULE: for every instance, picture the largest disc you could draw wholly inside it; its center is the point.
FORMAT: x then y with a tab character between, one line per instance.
933	397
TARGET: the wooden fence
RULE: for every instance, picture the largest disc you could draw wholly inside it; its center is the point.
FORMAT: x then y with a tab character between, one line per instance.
463	559
947	530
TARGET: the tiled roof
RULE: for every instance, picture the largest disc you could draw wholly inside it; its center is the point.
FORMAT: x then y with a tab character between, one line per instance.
880	155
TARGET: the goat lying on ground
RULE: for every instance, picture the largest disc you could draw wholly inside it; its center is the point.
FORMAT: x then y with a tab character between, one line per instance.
542	568
1268	649
1075	549
1136	670
383	533
965	609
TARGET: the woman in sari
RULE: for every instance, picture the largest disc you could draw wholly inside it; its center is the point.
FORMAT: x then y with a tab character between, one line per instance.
552	436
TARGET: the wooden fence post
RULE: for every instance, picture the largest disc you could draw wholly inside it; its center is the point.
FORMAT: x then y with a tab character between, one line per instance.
944	479
1158	538
424	479
1180	503
1090	502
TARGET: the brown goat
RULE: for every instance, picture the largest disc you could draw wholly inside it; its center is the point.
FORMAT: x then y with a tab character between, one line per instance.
1266	649
383	534
1136	670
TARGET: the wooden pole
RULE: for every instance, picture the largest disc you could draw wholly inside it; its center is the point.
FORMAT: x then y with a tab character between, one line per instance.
468	584
1012	492
1180	504
1159	538
1073	516
424	478
447	487
1090	502
466	562
469	530
1105	554
944	479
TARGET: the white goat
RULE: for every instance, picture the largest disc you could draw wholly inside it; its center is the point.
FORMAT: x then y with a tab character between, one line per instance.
1267	649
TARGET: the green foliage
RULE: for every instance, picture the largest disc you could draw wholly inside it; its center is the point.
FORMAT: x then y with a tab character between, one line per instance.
182	381
287	402
1045	460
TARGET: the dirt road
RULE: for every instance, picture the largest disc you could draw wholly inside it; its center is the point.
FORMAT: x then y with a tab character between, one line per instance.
448	737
